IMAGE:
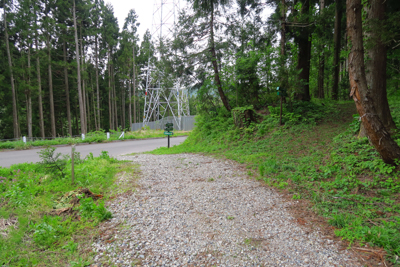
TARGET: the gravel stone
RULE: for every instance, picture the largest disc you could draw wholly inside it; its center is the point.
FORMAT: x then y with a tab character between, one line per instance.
193	210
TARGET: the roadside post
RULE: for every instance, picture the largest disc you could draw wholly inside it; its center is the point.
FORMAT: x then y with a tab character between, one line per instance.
282	93
72	164
168	130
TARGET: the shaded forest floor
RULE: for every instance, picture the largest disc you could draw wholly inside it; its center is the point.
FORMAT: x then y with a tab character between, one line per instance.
336	179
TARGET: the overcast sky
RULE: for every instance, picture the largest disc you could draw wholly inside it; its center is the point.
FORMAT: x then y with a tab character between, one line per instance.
144	9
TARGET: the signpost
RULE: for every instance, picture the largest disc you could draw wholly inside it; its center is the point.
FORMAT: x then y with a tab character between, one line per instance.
168	130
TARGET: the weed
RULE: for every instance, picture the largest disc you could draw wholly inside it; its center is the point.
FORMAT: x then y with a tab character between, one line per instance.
296	196
230	217
31	193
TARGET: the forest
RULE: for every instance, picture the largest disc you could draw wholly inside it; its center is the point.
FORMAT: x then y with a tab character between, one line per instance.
275	86
67	68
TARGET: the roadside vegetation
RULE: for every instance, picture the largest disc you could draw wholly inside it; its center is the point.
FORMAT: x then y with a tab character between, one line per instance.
92	137
316	155
45	220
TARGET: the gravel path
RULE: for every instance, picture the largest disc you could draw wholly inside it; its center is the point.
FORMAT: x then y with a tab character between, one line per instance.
192	210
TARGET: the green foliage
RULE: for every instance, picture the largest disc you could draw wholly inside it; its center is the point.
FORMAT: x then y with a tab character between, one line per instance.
48	231
52	162
31	193
89	209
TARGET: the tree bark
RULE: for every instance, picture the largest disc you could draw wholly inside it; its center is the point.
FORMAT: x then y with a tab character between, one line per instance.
110	116
215	64
83	81
130	103
39	80
52	113
134	85
94	110
304	41
98	126
377	134
67	89
336	53
114	100
14	95
81	110
88	111
321	59
29	96
376	64
123	107
283	27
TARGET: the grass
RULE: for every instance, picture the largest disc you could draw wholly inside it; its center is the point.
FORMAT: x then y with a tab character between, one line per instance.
92	137
318	157
44	228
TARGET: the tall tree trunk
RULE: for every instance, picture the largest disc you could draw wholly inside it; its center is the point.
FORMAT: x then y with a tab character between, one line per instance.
94	109
87	111
130	103
336	53
39	80
123	107
67	88
14	95
81	110
83	81
114	100
98	126
376	63
321	75
110	109
29	97
134	84
52	114
321	59
215	64
304	41
364	98
283	27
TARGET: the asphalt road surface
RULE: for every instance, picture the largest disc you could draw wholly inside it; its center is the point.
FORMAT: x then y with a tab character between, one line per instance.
10	157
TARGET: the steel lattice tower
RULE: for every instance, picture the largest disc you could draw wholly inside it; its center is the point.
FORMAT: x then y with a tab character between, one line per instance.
159	100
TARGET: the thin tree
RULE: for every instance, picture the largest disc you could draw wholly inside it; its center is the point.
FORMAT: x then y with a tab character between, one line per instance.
321	63
362	96
336	59
39	79
304	56
14	95
67	88
209	7
81	110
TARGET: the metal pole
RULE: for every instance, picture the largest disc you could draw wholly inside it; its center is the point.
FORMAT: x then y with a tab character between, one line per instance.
168	141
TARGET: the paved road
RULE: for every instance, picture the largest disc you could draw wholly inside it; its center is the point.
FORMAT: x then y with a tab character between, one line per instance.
9	157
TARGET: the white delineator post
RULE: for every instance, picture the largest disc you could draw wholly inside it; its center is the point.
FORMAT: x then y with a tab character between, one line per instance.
83	136
108	135
24	139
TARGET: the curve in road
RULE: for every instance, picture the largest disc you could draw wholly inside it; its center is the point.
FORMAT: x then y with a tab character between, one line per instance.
10	157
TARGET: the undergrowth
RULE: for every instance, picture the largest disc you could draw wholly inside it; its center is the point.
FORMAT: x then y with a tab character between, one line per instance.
316	155
48	230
